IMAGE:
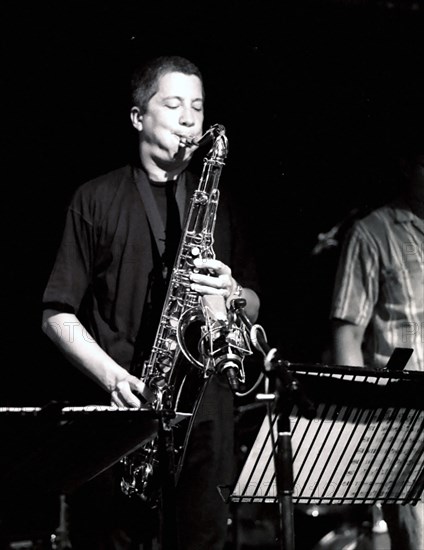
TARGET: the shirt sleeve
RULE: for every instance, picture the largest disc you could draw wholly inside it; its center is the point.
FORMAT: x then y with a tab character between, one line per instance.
72	270
356	283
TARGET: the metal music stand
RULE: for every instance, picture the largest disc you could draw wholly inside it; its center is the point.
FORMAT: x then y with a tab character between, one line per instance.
365	444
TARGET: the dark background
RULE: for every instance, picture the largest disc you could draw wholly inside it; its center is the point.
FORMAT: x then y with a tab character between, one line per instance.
316	98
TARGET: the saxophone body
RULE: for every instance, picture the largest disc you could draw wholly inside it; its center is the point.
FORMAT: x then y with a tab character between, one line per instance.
179	364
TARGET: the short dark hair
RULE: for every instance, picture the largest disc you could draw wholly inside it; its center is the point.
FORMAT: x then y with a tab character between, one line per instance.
144	79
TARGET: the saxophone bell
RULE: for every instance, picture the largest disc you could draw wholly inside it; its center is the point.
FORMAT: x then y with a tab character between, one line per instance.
223	342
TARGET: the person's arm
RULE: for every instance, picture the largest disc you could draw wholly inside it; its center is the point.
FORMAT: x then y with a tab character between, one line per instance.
347	343
74	341
252	303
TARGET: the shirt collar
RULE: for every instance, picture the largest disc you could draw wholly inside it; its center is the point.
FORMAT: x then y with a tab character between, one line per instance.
402	212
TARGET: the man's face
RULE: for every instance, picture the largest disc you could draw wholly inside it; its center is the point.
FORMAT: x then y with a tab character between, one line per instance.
173	113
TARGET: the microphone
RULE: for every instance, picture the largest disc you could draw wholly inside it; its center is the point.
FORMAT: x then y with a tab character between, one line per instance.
227	360
223	341
232	370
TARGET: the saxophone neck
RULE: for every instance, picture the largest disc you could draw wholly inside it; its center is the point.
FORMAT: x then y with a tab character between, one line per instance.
219	149
211	134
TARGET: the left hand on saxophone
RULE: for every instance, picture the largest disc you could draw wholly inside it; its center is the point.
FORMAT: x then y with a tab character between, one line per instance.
218	281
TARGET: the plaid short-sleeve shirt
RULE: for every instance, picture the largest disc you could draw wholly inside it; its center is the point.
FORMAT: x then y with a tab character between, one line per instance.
380	283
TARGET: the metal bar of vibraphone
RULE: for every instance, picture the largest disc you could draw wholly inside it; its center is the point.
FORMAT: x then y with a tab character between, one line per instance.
372	486
270	460
296	419
323	411
358	497
392	432
256	482
329	436
329	470
410	464
351	448
334	471
355	421
298	444
315	430
362	421
335	443
416	491
309	494
336	438
376	455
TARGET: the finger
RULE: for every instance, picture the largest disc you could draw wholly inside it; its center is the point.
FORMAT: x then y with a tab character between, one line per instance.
131	400
203	289
116	400
125	395
208	280
210	263
139	387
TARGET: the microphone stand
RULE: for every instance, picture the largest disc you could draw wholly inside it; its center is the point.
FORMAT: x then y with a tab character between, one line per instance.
288	392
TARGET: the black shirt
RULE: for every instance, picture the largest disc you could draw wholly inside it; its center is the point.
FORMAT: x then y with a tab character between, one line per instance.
106	259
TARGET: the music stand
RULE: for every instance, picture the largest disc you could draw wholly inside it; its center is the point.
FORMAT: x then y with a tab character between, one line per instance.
365	444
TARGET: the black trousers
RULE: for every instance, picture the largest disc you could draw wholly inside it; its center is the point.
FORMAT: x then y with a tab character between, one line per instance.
201	512
102	518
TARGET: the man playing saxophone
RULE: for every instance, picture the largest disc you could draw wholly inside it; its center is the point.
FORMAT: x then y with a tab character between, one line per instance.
103	300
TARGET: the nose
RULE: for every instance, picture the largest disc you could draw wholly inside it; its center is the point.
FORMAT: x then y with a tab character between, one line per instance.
187	117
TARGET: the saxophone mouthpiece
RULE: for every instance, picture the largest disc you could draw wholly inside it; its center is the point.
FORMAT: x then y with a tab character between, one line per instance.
208	136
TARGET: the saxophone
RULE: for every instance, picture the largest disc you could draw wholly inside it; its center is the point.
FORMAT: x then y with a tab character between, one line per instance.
179	365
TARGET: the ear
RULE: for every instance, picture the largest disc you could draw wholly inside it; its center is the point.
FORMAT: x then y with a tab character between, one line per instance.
136	118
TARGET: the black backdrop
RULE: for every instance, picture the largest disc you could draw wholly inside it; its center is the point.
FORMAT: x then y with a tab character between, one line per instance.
315	98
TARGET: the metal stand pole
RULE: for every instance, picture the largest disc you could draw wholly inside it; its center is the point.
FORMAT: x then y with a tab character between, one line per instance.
287	393
169	537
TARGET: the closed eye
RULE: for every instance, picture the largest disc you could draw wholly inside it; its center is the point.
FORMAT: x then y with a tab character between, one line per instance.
198	105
